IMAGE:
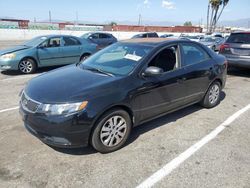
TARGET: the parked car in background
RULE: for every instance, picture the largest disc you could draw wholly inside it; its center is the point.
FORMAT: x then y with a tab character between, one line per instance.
212	42
237	49
167	35
217	35
100	38
188	37
118	88
44	51
146	35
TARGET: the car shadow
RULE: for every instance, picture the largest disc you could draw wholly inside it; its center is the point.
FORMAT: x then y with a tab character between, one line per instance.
39	71
141	129
241	72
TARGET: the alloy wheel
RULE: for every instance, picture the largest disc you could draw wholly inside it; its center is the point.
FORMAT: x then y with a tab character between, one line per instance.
25	66
113	131
214	94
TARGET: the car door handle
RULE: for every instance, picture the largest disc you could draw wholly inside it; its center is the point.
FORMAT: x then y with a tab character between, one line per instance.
181	80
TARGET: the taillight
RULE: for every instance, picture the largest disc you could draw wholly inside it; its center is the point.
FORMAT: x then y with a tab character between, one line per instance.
224	47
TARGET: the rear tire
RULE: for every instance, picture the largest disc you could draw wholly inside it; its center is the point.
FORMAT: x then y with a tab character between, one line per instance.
84	57
213	95
111	131
27	66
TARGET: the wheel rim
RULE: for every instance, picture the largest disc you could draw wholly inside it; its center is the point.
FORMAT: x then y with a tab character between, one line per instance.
113	131
84	58
25	66
214	94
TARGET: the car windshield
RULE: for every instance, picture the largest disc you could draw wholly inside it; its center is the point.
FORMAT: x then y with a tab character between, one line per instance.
118	59
243	38
35	41
86	35
207	39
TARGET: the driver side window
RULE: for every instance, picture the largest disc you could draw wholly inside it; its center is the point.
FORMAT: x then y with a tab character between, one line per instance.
166	59
52	42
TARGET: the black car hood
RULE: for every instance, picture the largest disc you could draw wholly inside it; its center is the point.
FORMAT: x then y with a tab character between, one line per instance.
13	49
68	84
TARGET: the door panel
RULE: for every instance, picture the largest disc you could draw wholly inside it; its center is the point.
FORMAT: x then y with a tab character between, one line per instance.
199	67
50	52
198	79
49	56
71	54
160	94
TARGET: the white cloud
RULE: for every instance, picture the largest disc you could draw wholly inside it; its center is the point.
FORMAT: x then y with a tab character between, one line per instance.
168	4
146	3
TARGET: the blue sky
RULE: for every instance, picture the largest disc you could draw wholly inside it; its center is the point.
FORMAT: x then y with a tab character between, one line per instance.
118	10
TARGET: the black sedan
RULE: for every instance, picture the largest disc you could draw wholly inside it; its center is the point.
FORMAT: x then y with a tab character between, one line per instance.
101	99
101	39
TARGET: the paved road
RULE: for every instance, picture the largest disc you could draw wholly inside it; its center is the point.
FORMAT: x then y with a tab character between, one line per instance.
223	162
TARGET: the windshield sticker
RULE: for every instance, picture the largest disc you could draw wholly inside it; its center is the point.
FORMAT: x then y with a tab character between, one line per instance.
132	57
43	38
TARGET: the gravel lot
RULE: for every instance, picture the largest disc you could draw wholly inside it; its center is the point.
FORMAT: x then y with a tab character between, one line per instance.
223	162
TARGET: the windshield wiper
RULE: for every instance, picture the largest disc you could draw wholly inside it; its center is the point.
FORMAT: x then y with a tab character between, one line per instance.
98	70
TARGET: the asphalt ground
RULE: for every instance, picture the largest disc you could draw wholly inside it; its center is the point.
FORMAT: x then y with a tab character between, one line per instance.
222	162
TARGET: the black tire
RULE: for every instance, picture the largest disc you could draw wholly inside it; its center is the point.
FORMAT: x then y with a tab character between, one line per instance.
102	128
214	48
212	98
27	66
84	57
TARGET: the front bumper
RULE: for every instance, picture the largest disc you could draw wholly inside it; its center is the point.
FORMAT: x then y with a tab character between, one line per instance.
9	64
238	61
59	131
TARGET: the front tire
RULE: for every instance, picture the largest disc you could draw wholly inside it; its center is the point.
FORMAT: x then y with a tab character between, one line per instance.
84	57
111	131
27	66
213	96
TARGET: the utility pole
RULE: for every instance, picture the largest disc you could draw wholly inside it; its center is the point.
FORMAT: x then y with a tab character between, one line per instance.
139	21
50	16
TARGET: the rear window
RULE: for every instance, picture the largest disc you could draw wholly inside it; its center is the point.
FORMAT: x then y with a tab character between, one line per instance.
243	38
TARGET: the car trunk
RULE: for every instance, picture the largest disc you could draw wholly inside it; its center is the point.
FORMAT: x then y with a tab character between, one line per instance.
238	44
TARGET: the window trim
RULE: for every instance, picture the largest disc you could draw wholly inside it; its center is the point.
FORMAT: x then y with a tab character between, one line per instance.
78	42
157	52
192	44
48	41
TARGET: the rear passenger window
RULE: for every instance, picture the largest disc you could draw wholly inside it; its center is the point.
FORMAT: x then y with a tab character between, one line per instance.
193	54
70	41
104	36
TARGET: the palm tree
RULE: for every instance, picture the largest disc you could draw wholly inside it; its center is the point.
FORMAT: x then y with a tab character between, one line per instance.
225	2
208	12
214	18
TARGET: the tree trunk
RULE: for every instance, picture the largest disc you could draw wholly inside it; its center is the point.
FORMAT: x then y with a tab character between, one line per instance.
211	19
208	12
214	19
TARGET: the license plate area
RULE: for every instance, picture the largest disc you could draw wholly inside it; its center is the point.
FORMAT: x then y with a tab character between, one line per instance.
244	52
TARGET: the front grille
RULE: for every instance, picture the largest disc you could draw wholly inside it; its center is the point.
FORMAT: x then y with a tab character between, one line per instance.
29	104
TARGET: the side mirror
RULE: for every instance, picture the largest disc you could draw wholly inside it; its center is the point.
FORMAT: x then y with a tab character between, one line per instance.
153	71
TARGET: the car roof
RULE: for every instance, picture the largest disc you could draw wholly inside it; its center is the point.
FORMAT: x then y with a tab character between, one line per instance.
150	41
241	32
99	32
49	36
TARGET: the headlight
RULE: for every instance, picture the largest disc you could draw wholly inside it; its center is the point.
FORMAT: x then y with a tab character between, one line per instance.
8	56
59	109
